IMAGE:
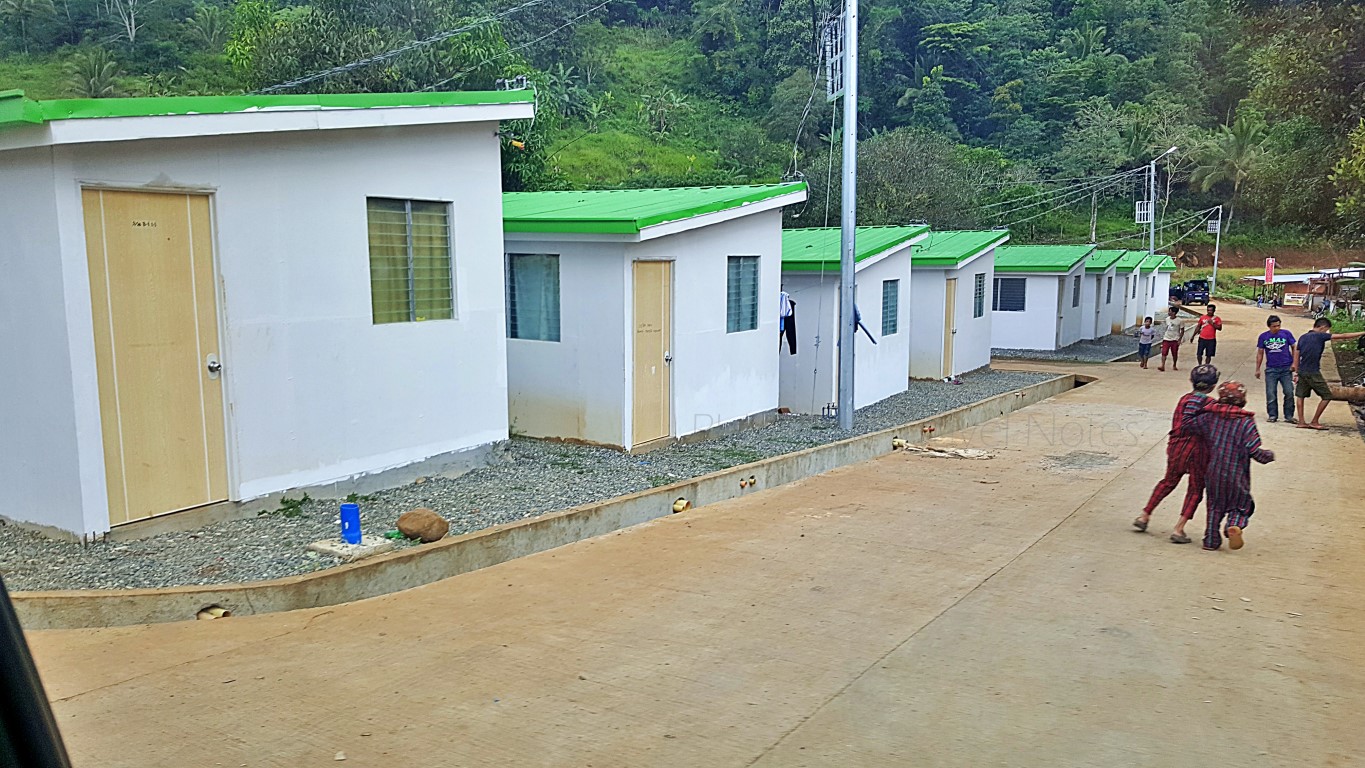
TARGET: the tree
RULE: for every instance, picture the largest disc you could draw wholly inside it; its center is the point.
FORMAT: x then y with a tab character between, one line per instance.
129	13
210	26
1231	157
25	12
1349	177
94	74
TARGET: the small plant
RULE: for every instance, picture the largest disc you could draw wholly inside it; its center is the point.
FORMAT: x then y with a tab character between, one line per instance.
656	481
351	498
289	507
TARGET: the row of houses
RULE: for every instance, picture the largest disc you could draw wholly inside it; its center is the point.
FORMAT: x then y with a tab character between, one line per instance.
216	299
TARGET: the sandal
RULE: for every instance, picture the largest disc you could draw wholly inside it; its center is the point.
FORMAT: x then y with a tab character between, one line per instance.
1179	538
1140	524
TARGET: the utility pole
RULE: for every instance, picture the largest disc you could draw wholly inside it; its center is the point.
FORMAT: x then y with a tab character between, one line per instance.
1151	202
1217	227
848	216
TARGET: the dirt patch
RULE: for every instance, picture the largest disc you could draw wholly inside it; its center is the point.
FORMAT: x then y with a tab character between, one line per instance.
1077	461
1286	259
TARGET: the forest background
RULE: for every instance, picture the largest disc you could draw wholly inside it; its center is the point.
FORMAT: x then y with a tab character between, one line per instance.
973	113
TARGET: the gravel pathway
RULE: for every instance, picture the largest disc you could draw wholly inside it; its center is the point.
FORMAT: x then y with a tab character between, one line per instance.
1100	350
527	478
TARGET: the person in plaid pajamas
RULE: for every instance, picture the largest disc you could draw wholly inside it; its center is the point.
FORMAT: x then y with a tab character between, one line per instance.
1185	455
1233	442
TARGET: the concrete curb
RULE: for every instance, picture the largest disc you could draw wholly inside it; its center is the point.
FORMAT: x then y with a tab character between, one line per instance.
397	571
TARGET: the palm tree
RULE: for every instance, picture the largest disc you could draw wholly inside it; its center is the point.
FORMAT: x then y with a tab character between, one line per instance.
94	73
211	26
1086	41
25	12
1231	157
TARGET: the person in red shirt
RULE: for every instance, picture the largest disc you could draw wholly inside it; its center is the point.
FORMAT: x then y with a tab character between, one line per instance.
1186	454
1206	329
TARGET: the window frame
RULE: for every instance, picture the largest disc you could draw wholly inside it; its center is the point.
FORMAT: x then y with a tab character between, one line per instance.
1109	290
979	295
447	207
751	322
509	287
1075	291
997	294
891	319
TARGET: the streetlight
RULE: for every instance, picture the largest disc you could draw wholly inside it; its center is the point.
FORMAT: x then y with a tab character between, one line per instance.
1151	202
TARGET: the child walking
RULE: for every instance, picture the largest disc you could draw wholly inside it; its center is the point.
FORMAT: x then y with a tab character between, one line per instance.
1146	335
1186	454
1233	442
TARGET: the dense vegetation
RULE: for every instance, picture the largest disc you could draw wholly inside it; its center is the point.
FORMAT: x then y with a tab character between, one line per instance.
969	108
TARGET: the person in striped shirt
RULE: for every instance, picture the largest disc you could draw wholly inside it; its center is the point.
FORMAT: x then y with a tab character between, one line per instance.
1233	442
1185	455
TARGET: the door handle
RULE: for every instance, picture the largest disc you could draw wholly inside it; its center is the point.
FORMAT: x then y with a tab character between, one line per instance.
213	366
668	358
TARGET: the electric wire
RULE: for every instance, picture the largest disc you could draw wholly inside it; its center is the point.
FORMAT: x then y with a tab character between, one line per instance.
1070	199
509	51
1184	235
1045	197
416	44
801	125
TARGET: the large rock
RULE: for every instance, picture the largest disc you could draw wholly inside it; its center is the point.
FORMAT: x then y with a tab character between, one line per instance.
423	524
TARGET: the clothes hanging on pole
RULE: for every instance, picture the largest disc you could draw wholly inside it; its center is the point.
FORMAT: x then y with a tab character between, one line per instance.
786	322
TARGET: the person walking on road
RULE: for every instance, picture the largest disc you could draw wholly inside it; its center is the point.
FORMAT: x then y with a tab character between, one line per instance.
1185	455
1206	328
1171	339
1233	442
1311	346
1277	349
1146	335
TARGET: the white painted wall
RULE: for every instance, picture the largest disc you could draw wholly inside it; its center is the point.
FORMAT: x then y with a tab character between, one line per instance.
316	392
1163	293
1133	305
39	456
926	321
719	377
1092	287
972	343
582	387
576	387
1073	321
1111	313
1036	326
809	379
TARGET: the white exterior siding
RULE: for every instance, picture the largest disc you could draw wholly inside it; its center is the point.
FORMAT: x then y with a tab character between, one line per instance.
315	391
972	342
581	387
809	379
1036	326
1071	317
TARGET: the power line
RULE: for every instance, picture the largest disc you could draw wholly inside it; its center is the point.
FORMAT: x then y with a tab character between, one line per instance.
814	87
1077	192
1052	193
1142	233
1187	232
386	55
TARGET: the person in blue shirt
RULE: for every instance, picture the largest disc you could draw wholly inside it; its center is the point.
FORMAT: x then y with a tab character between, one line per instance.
1280	354
1311	345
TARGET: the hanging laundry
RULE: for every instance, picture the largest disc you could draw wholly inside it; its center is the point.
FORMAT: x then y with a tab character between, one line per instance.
786	322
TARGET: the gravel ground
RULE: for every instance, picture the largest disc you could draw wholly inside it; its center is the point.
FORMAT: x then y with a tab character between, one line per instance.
1098	351
528	478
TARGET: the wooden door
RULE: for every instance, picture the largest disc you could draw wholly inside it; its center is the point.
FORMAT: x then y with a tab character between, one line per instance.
653	318
156	339
949	323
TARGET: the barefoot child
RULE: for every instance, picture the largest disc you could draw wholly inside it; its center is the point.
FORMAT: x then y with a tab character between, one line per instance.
1233	441
1145	336
1185	455
1171	339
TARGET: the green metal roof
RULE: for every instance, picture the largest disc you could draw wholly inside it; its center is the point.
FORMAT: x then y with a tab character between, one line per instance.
1040	258
16	109
627	211
1101	261
1153	262
817	248
1131	260
1167	265
948	249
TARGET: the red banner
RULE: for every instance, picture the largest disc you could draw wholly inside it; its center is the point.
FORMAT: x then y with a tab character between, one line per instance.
1269	271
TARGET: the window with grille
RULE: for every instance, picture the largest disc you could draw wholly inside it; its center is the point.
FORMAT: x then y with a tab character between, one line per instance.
979	295
1076	291
1153	279
1133	280
741	294
411	274
1109	289
891	306
1009	294
533	296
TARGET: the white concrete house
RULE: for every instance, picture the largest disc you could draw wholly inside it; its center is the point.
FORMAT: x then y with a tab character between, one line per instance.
1134	305
1036	300
1099	294
950	305
212	299
1156	280
810	275
636	317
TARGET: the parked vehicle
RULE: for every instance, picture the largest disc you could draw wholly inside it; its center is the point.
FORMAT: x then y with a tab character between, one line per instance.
1192	292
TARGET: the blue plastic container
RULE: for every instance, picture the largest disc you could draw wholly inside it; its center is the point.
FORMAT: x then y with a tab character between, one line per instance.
350	523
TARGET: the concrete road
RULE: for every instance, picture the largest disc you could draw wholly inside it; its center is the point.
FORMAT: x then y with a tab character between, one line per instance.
908	611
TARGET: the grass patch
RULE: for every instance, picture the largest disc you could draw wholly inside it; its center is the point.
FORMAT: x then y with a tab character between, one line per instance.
40	77
613	158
